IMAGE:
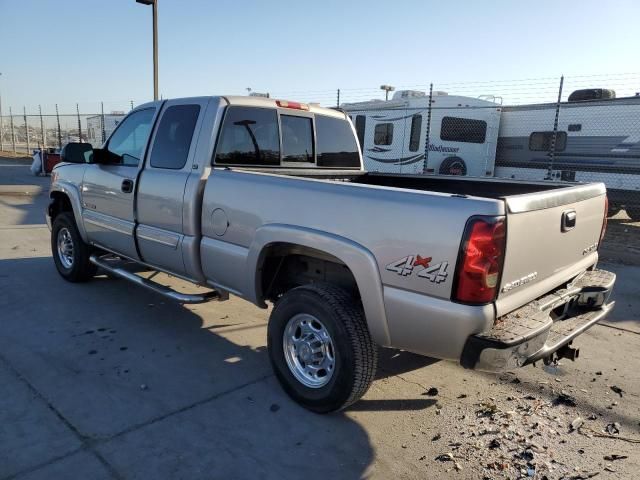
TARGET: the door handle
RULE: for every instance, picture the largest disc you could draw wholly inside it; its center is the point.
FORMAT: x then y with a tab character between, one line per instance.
127	186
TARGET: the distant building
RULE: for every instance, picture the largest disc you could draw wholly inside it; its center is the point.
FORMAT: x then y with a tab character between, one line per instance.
94	127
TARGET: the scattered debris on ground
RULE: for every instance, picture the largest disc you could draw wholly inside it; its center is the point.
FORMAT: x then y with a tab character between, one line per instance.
432	392
520	440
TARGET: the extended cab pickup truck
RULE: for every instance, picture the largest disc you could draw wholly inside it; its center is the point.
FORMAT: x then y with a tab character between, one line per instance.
267	200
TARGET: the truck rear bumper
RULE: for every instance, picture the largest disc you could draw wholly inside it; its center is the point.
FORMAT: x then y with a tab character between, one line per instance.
540	328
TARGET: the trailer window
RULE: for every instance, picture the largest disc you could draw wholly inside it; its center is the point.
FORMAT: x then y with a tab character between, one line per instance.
249	136
361	122
467	130
541	141
383	134
297	139
414	138
173	138
335	144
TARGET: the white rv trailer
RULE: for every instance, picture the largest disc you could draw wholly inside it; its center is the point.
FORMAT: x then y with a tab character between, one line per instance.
392	134
596	140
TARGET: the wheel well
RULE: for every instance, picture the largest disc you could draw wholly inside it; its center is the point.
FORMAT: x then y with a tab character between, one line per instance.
285	266
59	203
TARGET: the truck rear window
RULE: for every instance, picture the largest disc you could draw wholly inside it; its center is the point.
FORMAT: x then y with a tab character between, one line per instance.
297	139
249	136
335	144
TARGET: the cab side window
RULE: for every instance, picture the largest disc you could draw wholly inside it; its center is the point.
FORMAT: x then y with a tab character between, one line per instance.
174	135
127	143
249	136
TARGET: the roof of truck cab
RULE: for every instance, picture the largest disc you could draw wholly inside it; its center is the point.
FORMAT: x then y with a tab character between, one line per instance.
271	103
258	102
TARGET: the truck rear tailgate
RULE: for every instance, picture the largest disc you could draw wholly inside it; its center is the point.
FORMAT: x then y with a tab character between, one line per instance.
551	237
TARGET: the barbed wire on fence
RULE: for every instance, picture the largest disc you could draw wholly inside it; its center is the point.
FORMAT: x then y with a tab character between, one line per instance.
537	133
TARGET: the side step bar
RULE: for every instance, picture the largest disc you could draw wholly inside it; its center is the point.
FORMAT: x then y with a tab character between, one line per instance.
156	287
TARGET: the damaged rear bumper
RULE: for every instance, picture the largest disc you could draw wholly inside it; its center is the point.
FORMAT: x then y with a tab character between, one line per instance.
542	327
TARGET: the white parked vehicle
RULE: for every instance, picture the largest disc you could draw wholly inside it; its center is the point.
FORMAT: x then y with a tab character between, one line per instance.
597	139
463	133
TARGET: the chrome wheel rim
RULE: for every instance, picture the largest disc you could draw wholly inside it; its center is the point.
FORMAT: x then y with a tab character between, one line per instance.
65	247
308	350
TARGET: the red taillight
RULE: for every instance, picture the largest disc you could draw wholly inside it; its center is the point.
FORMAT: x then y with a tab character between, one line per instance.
480	261
604	222
294	105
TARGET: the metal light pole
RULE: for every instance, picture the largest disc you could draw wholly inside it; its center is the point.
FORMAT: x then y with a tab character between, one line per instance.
387	89
154	6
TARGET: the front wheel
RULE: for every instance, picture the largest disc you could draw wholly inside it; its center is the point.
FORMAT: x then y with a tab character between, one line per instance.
70	253
320	347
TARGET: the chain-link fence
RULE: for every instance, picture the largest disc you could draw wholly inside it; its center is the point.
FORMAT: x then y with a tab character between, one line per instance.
50	127
572	128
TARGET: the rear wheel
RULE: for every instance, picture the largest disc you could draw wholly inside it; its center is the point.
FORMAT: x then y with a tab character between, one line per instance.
320	347
70	253
453	166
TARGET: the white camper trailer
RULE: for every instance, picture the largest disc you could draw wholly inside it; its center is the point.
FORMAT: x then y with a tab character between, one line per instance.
462	133
597	139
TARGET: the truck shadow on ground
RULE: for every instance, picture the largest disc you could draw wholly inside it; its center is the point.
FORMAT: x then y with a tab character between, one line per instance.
149	383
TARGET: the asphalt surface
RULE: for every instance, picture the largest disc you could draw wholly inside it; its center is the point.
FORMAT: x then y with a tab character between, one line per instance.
104	380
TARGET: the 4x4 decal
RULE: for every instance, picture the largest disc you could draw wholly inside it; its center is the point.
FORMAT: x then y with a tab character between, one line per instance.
407	265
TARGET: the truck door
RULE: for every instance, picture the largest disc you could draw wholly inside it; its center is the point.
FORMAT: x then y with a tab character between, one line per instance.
108	190
164	216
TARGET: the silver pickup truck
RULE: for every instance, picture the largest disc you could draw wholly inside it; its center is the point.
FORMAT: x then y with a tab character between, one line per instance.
267	200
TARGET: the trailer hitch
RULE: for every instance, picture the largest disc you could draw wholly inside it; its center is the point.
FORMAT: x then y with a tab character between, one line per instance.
566	351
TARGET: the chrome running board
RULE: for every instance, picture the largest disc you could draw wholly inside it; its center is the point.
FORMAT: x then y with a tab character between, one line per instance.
157	287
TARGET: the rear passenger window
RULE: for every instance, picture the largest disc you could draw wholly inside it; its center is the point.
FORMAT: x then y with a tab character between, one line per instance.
297	139
541	141
383	134
467	130
173	138
335	143
414	138
249	136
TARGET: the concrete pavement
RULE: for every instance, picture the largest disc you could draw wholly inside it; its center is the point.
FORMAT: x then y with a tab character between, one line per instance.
105	380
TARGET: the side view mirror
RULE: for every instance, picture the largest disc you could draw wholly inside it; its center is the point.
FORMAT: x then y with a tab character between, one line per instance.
77	153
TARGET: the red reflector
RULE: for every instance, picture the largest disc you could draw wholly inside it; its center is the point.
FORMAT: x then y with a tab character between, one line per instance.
480	261
294	105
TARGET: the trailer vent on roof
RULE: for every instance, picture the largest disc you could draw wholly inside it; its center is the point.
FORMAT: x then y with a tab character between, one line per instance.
401	94
592	94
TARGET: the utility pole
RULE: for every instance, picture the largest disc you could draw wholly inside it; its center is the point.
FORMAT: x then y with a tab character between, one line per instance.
154	6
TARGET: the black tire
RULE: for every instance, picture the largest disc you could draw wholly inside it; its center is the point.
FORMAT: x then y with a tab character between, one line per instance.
80	268
634	213
355	353
453	166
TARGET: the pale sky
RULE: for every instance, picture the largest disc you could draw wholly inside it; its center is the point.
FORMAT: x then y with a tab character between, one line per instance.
97	50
